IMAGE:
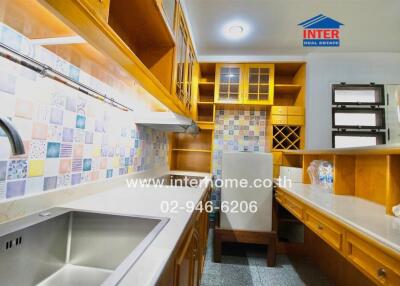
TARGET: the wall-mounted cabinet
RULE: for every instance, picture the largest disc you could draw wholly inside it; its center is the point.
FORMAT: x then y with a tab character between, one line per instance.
155	47
229	80
259	84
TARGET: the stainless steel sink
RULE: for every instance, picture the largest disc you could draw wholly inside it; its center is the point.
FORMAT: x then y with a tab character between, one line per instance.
70	247
177	180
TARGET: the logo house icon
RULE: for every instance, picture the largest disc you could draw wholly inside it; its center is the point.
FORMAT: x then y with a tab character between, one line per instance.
321	31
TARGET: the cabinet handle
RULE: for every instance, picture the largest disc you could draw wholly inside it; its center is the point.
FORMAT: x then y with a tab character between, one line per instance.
381	272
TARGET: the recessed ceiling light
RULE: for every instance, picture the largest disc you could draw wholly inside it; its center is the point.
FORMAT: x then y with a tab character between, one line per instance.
235	30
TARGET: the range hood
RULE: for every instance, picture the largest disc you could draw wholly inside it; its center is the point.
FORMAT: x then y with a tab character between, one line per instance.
168	121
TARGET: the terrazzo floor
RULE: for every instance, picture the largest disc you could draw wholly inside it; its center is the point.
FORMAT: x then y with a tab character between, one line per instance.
245	265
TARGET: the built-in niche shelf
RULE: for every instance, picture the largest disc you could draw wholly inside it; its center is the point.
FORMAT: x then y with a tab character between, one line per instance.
368	173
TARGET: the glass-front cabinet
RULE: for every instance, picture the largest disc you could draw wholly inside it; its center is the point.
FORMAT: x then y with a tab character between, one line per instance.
259	84
229	83
245	84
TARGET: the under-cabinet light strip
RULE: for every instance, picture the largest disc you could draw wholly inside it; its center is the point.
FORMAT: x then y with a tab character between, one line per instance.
47	71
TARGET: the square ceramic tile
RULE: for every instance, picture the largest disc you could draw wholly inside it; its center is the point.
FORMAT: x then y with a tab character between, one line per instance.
68	134
17	169
76	179
36	168
64	181
70	104
86	177
80	121
24	108
65	166
24	127
53	150
2	190
3	170
79	136
37	149
56	116
109	173
87	164
55	133
50	183
88	137
65	150
52	166
39	131
77	151
34	185
58	100
69	119
15	189
77	165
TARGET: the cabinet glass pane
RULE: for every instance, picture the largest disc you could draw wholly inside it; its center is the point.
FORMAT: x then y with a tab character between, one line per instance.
253	78
263	96
253	88
264	70
253	96
229	83
264	88
264	78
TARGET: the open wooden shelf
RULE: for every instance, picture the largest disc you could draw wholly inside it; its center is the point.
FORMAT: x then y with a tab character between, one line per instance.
287	89
155	46
372	176
205	112
201	141
191	161
192	150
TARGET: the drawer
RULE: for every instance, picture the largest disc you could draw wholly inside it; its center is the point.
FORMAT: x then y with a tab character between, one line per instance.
325	228
380	267
295	110
279	110
295	120
278	119
295	207
277	158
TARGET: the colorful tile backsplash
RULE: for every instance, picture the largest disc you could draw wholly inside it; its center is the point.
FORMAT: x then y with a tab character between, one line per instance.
69	138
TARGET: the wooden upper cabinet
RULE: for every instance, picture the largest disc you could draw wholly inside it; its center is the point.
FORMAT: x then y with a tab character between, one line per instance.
185	61
229	83
99	7
259	84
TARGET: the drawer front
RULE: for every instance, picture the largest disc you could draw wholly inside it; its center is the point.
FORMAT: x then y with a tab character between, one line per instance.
278	119
280	196
377	265
295	207
325	228
295	120
279	110
295	110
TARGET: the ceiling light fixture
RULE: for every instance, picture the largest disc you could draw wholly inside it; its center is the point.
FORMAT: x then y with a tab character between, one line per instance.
236	30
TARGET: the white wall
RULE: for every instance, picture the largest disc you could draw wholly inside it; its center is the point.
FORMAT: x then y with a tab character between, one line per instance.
323	69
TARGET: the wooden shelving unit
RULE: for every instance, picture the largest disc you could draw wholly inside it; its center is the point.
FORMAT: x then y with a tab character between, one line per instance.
286	137
368	173
191	152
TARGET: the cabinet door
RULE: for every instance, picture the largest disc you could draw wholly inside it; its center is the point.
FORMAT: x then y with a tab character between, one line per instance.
196	268
191	62
229	83
100	7
184	263
259	87
181	50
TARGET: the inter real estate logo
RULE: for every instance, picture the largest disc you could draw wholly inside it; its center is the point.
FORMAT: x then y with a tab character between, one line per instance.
321	31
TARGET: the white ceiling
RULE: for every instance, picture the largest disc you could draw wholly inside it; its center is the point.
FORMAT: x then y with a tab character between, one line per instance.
369	26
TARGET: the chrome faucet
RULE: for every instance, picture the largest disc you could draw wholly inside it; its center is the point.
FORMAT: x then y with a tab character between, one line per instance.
17	146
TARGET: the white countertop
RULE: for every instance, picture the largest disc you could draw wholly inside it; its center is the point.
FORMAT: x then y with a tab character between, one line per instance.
146	201
365	216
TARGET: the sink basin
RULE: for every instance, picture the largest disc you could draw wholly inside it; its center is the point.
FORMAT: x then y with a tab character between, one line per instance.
179	180
71	247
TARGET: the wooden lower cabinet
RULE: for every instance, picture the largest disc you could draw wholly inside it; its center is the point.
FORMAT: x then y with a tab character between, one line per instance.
186	264
373	260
